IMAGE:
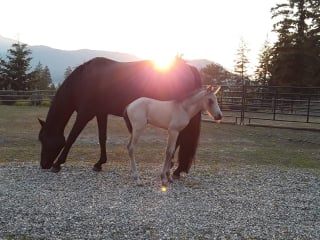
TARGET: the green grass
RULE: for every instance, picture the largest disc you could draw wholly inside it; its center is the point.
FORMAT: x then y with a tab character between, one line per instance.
220	144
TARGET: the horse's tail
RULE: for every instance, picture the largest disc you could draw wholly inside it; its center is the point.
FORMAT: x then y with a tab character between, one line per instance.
188	137
127	120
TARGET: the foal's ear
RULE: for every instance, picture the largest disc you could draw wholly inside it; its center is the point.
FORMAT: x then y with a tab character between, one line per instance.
209	88
217	90
42	123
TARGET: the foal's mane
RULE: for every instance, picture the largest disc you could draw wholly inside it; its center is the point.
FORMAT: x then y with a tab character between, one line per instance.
190	97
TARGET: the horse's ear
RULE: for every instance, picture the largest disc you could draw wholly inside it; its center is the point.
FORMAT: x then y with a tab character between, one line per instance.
217	90
41	122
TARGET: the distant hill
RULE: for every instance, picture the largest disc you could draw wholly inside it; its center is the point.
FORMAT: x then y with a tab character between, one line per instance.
200	63
58	60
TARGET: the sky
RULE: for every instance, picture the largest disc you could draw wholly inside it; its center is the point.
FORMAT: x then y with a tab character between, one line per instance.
149	29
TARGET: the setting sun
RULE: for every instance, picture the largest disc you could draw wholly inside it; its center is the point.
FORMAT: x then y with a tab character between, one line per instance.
163	62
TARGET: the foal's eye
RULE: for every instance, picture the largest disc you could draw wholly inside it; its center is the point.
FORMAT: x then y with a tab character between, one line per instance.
210	101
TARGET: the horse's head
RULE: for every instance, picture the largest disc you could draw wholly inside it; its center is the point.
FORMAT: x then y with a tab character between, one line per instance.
211	103
50	146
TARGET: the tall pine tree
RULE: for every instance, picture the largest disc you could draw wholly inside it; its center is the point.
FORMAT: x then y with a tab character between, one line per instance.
262	73
295	56
2	75
16	69
242	61
41	78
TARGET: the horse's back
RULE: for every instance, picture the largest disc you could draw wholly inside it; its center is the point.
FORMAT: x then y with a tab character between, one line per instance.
105	86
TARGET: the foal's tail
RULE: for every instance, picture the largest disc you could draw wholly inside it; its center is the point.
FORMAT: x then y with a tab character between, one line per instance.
127	120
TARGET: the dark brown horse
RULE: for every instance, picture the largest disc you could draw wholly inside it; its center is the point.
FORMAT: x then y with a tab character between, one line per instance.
101	87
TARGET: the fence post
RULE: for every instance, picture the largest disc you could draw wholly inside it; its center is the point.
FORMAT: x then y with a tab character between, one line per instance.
243	103
308	110
275	105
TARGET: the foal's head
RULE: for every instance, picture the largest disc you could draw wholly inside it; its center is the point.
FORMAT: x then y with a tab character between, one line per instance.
50	146
211	103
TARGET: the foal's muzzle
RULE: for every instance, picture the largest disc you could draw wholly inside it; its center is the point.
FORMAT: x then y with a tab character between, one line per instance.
218	117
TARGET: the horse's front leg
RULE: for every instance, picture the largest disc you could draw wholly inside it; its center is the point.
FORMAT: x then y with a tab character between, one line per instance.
165	175
102	121
79	124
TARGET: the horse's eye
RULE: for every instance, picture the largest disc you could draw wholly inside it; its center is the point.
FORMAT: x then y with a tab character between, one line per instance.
210	101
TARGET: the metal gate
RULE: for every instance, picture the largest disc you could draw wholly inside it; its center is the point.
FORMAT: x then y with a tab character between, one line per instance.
272	105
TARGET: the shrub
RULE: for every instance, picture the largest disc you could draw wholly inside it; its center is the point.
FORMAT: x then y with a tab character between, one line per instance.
45	103
23	103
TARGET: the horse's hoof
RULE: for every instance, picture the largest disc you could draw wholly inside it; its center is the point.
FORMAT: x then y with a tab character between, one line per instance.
55	169
175	176
171	165
97	168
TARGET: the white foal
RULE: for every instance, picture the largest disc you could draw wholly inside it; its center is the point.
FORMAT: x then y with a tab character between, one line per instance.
171	115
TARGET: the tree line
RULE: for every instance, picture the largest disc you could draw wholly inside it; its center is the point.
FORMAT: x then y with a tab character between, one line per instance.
16	73
293	60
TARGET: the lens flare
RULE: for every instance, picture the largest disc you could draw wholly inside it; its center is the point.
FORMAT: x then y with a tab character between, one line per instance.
163	188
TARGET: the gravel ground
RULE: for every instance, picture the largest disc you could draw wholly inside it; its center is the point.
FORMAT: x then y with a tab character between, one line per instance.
77	203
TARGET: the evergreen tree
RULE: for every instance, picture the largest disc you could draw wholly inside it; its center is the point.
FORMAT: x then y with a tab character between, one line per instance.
2	75
242	61
67	72
47	77
36	77
15	69
262	72
216	74
41	78
295	56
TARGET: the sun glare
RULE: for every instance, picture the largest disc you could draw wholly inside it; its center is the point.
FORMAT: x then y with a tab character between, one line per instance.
163	62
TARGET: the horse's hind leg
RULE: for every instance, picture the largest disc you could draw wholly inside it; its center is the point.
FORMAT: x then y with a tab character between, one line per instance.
102	127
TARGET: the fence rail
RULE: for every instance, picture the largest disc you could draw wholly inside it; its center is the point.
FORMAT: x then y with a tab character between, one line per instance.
240	104
37	97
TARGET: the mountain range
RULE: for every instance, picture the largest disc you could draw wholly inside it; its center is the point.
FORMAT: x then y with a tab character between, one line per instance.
58	60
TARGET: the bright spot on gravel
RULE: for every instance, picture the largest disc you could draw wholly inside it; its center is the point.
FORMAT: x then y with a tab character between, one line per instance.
163	188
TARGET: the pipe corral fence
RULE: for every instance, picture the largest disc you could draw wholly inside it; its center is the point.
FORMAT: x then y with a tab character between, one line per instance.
297	107
294	107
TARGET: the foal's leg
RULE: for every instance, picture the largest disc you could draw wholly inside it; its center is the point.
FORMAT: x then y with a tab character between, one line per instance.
172	139
102	127
133	142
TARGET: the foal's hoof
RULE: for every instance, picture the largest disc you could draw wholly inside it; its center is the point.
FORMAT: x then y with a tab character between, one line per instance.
164	184
55	169
97	168
139	184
